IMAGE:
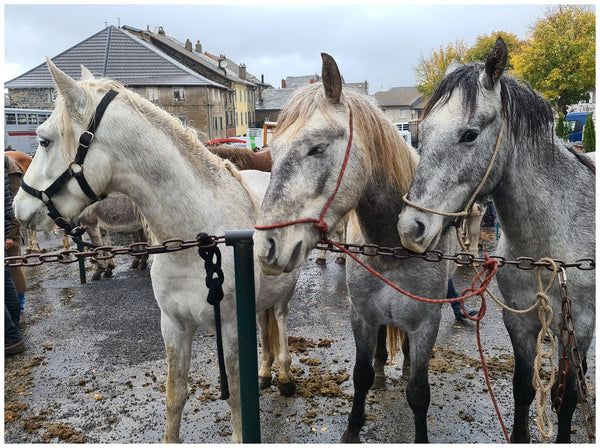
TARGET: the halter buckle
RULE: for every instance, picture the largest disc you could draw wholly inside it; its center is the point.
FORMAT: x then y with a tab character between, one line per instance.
85	139
74	164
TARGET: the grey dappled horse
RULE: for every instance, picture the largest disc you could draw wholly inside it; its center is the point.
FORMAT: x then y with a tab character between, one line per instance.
308	149
543	193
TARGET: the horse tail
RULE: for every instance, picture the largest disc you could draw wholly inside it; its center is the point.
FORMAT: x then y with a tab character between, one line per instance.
272	332
396	338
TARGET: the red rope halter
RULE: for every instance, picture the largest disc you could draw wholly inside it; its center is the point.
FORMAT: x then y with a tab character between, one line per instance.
320	223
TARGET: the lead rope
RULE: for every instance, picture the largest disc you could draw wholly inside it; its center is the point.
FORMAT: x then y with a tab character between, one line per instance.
208	251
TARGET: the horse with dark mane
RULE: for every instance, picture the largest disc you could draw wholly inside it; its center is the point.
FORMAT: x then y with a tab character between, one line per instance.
486	133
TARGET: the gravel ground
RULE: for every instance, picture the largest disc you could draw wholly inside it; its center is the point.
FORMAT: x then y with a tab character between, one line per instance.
94	369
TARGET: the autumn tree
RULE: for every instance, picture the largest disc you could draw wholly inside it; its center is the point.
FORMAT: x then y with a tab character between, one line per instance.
558	59
429	72
484	43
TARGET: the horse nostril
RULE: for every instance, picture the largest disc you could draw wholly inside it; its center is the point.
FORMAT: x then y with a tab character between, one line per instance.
272	246
420	230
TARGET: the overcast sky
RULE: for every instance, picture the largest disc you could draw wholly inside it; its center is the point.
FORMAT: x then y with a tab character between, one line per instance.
380	43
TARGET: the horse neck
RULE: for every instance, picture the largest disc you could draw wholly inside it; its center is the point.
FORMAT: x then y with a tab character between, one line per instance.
377	213
179	197
540	195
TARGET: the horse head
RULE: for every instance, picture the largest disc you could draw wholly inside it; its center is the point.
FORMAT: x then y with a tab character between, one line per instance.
460	141
56	187
312	139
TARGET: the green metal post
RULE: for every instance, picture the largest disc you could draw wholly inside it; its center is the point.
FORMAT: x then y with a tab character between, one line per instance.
242	243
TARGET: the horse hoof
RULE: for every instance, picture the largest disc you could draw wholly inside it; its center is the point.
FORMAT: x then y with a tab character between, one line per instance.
143	265
108	273
350	437
321	261
264	382
287	389
97	275
340	260
378	382
134	264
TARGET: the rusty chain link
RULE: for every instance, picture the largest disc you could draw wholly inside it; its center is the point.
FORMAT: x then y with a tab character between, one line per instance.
371	250
106	252
463	258
568	340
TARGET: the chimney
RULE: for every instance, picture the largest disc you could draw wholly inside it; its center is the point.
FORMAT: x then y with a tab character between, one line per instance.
188	45
198	47
243	71
283	83
161	30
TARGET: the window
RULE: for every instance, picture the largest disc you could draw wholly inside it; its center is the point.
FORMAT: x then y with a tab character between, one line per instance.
11	119
221	122
183	120
32	119
178	94
403	113
153	94
22	118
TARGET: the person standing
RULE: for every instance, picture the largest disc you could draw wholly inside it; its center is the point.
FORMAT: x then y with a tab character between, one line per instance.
13	341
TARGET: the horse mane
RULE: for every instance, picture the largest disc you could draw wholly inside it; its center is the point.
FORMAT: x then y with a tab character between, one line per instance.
523	110
388	156
188	141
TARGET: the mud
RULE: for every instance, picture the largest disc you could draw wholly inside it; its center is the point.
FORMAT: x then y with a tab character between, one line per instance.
94	368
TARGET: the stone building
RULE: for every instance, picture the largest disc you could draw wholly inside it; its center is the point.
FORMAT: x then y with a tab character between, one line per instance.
119	55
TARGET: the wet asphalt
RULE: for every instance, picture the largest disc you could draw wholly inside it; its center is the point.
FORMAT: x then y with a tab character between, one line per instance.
94	368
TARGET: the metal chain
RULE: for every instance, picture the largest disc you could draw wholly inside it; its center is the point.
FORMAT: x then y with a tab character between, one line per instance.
107	252
463	258
568	340
371	250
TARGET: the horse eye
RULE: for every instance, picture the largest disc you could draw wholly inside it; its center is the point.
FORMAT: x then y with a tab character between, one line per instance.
43	142
318	149
469	136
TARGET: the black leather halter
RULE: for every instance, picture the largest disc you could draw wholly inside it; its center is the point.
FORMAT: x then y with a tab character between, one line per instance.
75	170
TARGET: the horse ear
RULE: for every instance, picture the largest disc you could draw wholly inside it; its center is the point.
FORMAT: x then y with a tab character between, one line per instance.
495	64
454	64
67	87
86	75
332	80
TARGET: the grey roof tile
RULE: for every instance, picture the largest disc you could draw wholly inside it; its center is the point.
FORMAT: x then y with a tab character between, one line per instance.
115	54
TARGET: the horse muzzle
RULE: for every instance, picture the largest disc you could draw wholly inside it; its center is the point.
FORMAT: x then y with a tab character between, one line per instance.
277	255
419	231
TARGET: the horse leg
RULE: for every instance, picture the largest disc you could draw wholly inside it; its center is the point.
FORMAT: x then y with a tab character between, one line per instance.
96	238
341	234
380	359
287	382
178	343
365	339
140	262
33	245
417	389
110	263
322	258
268	331
524	348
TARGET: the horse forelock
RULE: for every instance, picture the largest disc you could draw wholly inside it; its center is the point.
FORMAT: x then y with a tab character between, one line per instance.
387	155
525	113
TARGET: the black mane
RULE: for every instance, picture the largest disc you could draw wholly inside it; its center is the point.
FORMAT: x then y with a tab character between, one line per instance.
525	113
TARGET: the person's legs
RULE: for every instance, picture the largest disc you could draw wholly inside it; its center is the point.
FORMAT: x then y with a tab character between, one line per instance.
13	342
456	306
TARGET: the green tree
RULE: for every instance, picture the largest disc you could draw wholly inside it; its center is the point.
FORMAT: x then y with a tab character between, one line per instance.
484	43
430	71
589	135
559	58
562	128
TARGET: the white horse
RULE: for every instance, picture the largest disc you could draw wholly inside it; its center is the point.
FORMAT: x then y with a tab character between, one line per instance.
319	130
544	194
181	189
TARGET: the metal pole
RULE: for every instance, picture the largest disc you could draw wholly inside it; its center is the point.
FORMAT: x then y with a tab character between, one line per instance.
81	262
242	243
